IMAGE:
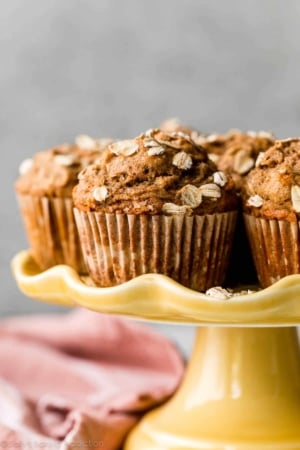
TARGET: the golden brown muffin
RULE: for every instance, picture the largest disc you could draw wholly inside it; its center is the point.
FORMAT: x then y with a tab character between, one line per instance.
140	176
235	152
155	203
44	191
271	202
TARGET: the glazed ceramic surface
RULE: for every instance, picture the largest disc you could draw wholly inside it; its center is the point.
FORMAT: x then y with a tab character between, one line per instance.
241	390
157	297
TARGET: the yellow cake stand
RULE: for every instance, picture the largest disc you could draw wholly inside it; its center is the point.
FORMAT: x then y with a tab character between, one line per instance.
241	390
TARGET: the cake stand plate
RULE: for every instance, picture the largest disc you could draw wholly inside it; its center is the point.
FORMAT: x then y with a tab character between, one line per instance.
241	390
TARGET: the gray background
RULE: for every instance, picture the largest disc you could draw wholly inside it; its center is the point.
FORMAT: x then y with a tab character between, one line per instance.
114	68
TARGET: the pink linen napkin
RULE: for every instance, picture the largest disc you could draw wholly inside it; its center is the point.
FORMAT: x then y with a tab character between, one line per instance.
80	380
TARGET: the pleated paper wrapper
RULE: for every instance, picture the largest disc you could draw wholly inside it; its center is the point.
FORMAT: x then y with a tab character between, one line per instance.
275	246
51	231
193	250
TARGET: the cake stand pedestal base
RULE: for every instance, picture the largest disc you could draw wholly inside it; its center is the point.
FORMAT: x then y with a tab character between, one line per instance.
241	391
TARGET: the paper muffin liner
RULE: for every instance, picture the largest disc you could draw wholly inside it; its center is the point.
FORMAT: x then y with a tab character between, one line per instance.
193	250
275	246
51	231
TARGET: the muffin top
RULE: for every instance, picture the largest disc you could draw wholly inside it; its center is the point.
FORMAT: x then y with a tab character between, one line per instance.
272	189
175	125
54	172
236	152
157	172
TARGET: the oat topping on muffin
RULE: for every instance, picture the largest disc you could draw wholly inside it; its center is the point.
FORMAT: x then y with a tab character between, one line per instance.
67	159
171	208
87	142
236	152
157	172
191	195
25	166
295	197
175	125
54	172
276	181
220	178
125	148
255	200
182	160
221	293
100	193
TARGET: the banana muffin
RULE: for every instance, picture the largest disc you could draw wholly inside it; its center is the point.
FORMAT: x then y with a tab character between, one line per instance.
235	152
44	192
155	204
271	203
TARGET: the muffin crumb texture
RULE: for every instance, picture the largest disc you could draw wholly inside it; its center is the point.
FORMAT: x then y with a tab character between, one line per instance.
236	152
272	189
220	293
53	172
157	172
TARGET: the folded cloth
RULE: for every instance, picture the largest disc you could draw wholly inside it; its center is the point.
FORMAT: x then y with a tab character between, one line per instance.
80	379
